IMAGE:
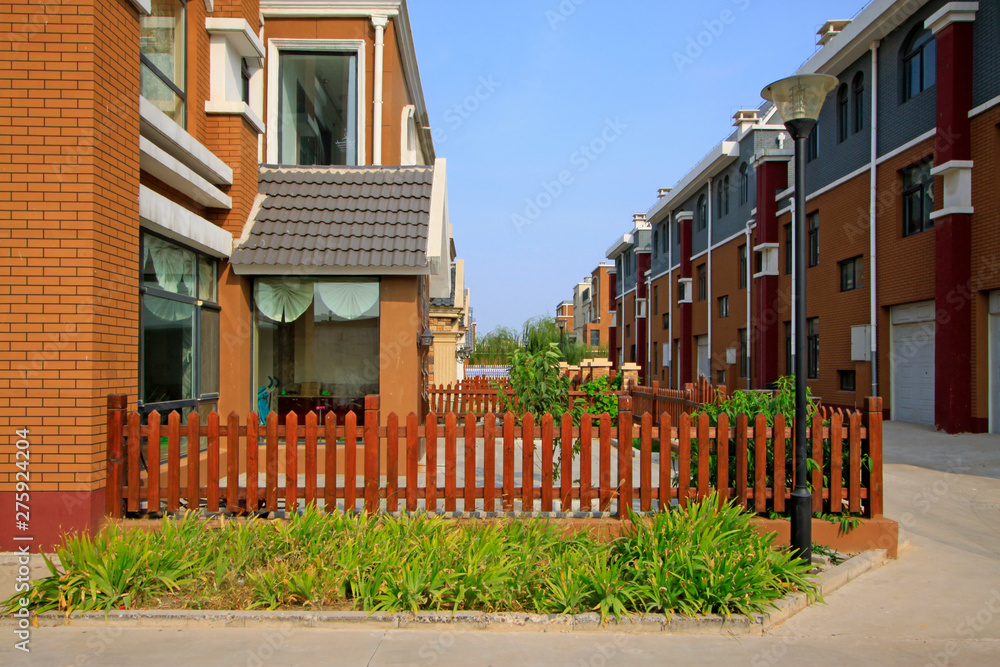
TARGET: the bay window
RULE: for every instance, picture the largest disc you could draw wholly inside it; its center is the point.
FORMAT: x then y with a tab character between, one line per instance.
163	58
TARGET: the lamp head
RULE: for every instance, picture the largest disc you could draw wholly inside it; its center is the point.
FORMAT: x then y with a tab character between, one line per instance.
799	100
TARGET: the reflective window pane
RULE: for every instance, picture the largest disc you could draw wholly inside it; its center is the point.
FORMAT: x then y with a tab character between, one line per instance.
168	266
317	109
209	352
207	280
168	350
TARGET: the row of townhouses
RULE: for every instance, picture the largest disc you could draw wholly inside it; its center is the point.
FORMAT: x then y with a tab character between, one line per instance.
903	273
205	205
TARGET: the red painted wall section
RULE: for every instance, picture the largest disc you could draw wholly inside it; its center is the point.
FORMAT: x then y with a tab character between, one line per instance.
613	330
953	237
772	177
685	352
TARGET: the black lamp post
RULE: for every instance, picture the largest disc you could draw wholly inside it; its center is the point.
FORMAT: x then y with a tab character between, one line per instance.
799	100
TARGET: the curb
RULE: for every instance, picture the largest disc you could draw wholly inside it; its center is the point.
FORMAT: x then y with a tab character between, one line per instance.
736	625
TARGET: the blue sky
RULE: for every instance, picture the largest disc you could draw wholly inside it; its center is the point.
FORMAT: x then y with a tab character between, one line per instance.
562	118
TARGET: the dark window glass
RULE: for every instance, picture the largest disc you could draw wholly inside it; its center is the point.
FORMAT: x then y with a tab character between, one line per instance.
851	271
744	357
848	380
744	183
813	343
789	357
813	223
702	212
843	117
720	376
244	81
595	338
723	307
812	145
718	200
743	266
859	101
163	58
919	63
788	248
918	198
702	283
656	300
725	195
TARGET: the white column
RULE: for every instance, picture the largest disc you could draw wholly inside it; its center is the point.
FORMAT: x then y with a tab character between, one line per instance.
379	22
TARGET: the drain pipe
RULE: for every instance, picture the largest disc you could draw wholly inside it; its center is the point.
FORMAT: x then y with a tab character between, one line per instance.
670	296
872	250
708	270
380	23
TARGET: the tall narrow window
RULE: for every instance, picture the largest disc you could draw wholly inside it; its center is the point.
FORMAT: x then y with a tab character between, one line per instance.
788	249
723	307
851	271
743	266
813	225
656	300
702	283
843	117
725	195
918	198
858	95
789	356
919	63
744	357
664	238
813	345
163	58
702	212
317	108
656	241
744	183
718	200
812	145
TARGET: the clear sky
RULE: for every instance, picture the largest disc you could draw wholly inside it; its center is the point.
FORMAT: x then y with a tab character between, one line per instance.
562	118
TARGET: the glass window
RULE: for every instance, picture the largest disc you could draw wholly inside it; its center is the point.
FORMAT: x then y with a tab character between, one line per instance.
244	81
850	274
702	212
812	145
179	347
848	380
725	193
813	225
744	183
744	357
317	108
318	343
163	56
702	283
681	290
723	307
656	300
743	266
919	63
813	352
918	198
718	201
843	117
859	101
788	248
656	241
595	338
789	358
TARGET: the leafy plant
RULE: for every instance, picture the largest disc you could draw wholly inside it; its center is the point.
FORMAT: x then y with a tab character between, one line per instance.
538	386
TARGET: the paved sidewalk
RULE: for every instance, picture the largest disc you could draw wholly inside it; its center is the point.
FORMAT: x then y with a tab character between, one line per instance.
938	605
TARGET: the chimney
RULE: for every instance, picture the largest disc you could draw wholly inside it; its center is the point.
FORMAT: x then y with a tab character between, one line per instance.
830	30
639	221
744	119
663	192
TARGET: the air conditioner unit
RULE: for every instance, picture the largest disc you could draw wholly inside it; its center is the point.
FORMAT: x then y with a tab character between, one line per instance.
640	308
684	290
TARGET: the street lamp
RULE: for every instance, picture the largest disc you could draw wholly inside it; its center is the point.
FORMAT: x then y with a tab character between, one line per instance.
799	100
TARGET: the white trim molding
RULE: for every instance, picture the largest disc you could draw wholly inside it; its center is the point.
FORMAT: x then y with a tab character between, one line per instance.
155	161
274	48
438	236
620	246
145	7
379	22
174	139
953	12
237	108
161	215
985	106
957	176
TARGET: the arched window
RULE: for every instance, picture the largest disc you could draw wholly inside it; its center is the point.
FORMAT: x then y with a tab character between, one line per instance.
744	183
919	62
858	93
702	212
843	118
656	241
718	200
725	191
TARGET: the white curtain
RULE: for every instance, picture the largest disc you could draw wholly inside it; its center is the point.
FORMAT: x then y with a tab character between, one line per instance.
171	263
350	301
283	299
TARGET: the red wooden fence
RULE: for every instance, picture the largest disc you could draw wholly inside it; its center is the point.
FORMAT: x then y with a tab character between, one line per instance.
657	400
400	468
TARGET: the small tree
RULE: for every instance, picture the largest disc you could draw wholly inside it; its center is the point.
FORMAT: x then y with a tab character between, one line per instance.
537	384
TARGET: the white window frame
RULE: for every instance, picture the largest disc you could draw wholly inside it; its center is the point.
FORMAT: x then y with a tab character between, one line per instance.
348	46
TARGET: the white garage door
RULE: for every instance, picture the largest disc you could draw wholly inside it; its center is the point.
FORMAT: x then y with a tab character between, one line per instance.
913	331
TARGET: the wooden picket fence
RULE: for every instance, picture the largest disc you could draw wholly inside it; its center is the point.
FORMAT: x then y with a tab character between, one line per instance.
478	397
400	470
658	400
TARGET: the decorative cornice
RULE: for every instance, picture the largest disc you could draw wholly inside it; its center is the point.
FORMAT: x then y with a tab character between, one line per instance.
953	12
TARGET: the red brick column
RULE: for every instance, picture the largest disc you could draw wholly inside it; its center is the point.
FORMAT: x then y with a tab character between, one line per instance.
641	338
772	177
613	329
686	326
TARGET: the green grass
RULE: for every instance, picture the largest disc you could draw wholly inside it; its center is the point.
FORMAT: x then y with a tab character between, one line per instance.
696	561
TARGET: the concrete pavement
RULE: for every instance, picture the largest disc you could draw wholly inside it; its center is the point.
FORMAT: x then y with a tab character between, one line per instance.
938	605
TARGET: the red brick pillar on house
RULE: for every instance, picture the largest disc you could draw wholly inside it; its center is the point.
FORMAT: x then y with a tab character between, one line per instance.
685	352
772	177
952	26
613	329
641	338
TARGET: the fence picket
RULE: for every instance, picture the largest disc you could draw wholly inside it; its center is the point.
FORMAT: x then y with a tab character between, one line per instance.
233	463
469	500
330	468
271	456
760	463
392	463
624	456
430	463
450	425
817	456
779	463
604	463
132	461
666	460
350	462
412	461
548	447
586	439
704	456
741	459
836	461
722	457
873	422
291	463
173	461
194	461
212	495
311	446
508	462
489	462
372	459
528	463
153	462
253	443
683	459
854	499
566	459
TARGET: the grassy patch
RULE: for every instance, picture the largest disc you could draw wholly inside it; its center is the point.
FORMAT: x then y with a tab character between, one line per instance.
696	561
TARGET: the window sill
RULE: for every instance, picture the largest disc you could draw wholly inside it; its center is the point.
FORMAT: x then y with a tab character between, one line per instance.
236	108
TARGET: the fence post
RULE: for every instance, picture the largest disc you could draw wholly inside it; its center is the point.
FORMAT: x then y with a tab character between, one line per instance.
372	477
117	404
873	424
624	456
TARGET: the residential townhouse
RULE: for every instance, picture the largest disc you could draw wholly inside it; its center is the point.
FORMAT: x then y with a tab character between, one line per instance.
591	315
904	243
207	205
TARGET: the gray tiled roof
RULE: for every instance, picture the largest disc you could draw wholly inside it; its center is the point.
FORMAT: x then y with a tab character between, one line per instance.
340	216
450	301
